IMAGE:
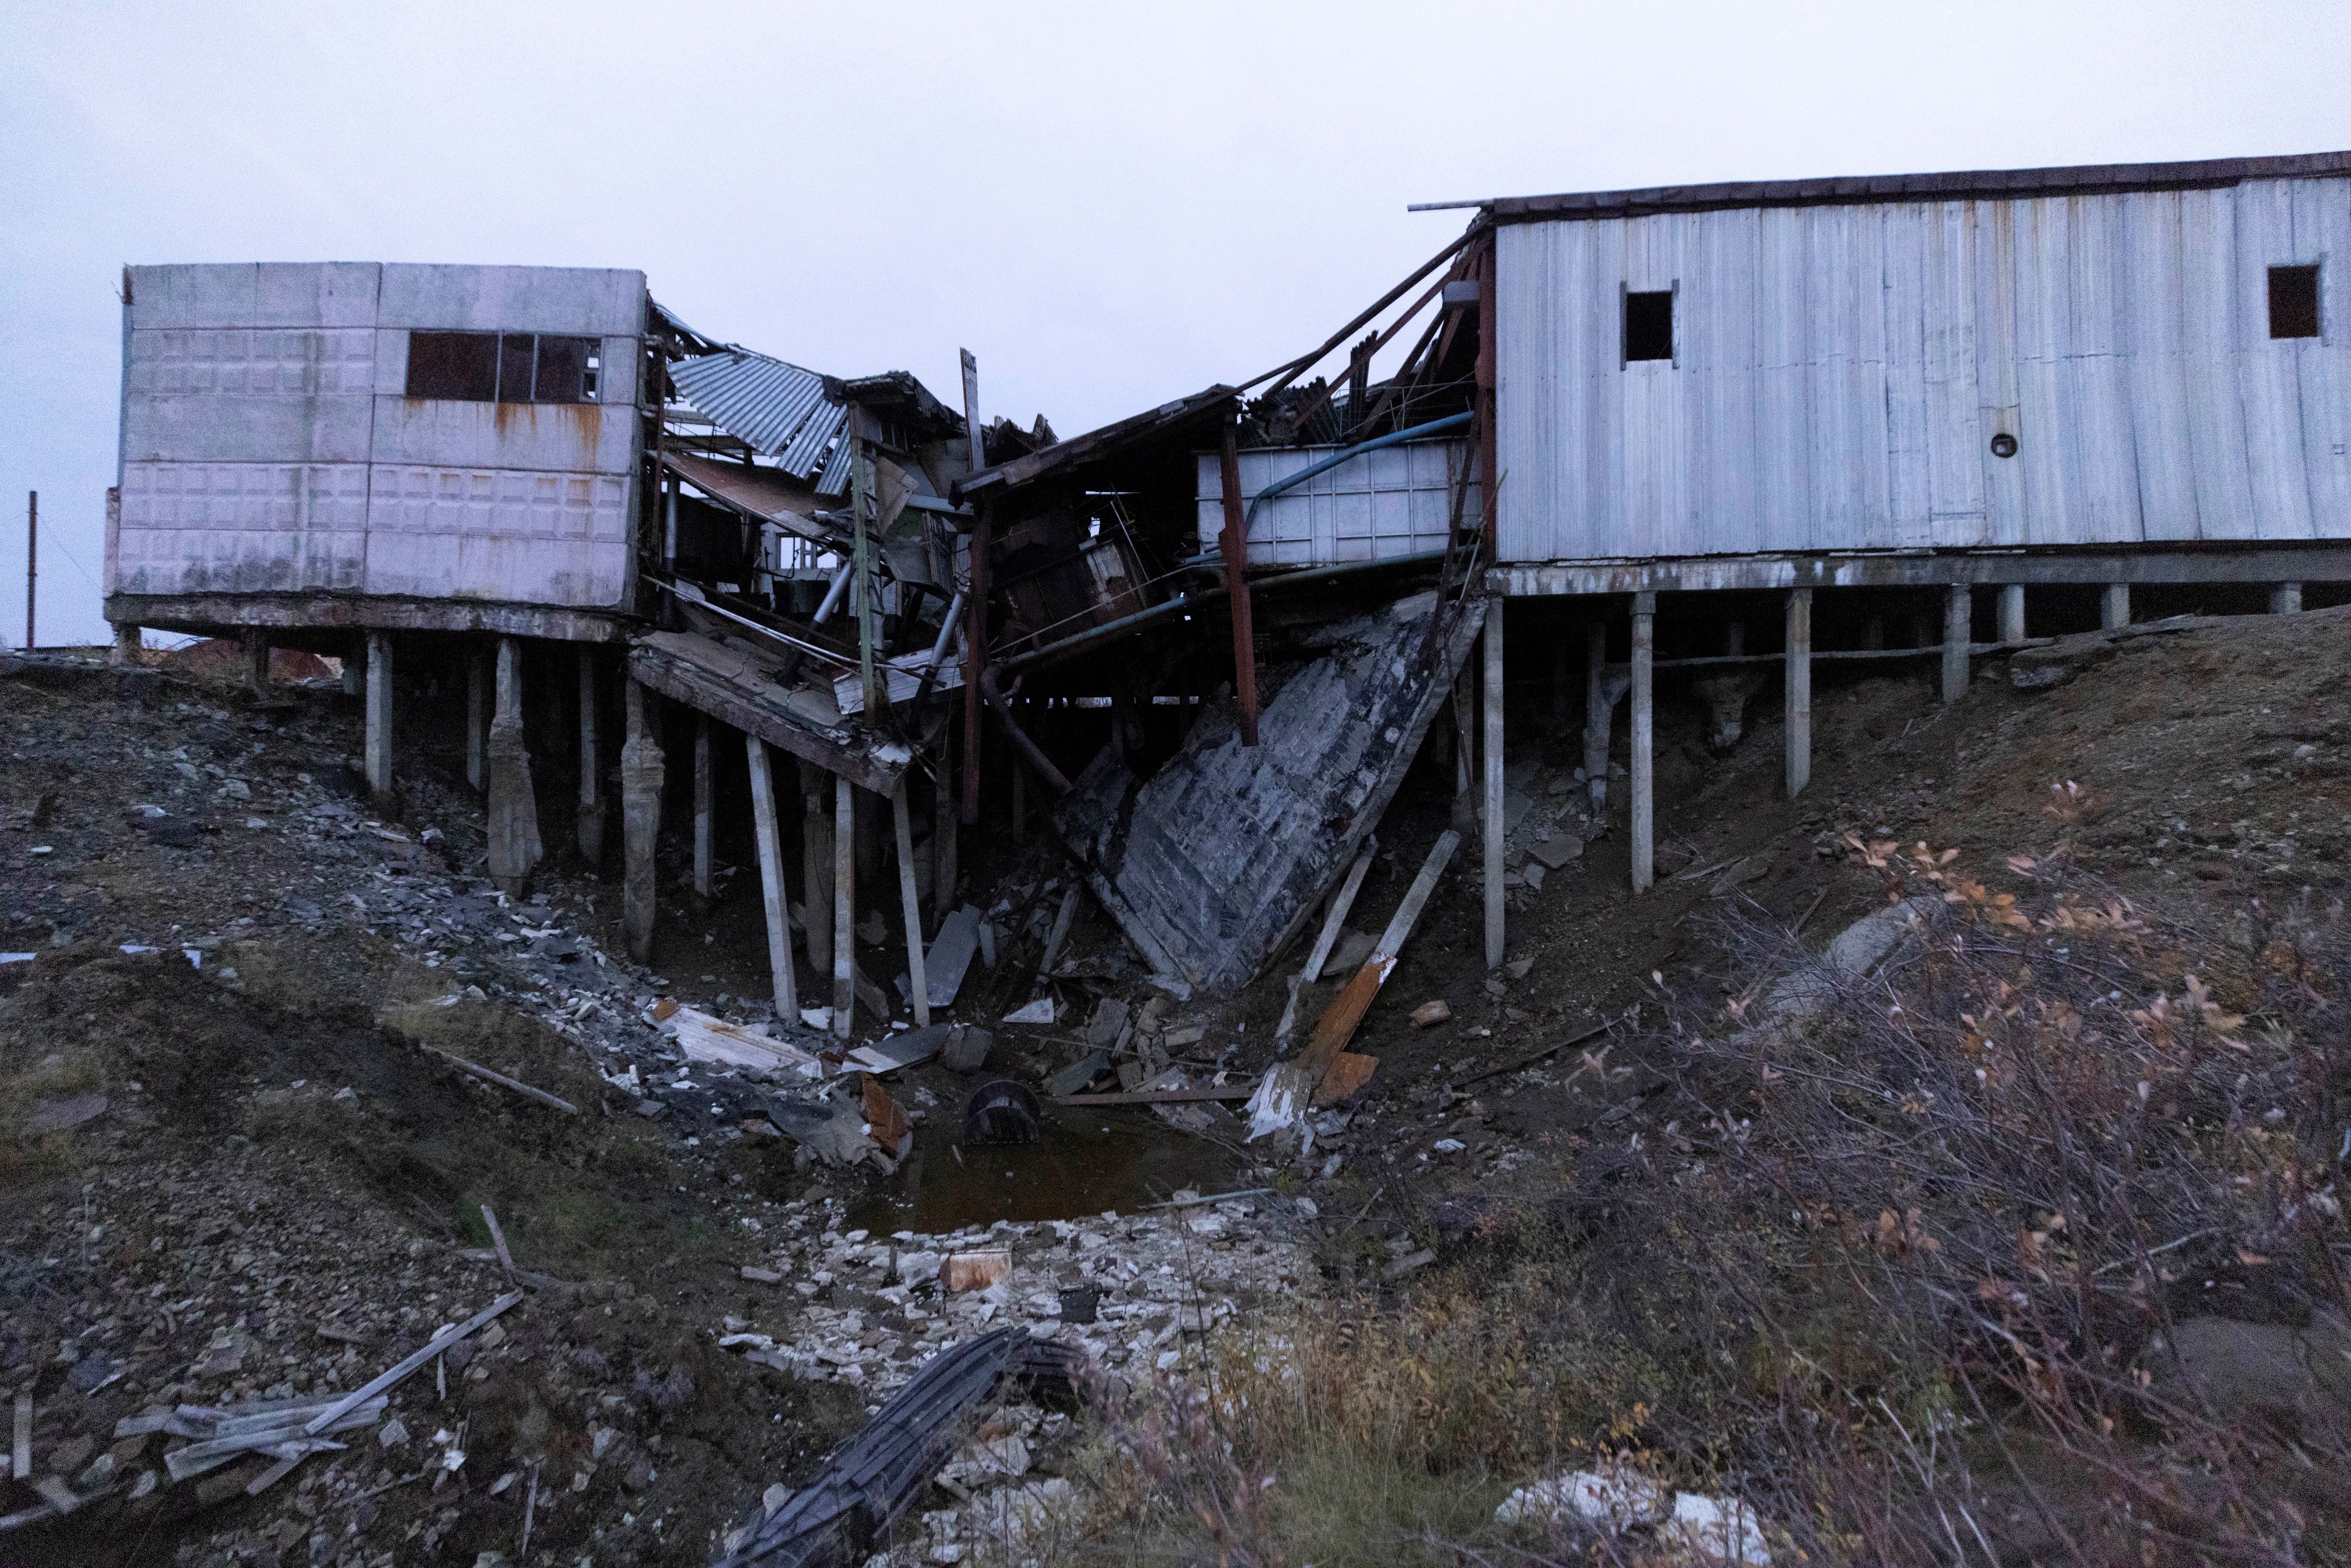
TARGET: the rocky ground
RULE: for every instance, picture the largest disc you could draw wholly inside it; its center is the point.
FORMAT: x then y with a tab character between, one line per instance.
240	1165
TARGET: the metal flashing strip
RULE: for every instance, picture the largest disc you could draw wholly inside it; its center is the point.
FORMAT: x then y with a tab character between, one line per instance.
2324	561
1976	184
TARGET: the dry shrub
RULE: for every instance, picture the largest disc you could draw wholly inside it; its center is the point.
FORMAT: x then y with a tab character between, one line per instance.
1903	1262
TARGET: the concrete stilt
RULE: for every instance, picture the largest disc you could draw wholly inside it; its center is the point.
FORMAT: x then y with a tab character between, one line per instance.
643	770
2114	607
257	660
1873	633
127	643
1958	634
815	869
514	846
1797	684
355	669
377	751
902	814
1597	711
1644	832
1465	753
1495	826
844	906
772	893
2285	598
592	807
2012	612
701	888
478	715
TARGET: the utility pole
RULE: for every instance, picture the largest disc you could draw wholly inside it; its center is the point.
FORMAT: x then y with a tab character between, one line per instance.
32	560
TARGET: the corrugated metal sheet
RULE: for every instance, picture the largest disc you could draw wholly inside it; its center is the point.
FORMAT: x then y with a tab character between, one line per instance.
778	409
1840	369
269	444
1378	506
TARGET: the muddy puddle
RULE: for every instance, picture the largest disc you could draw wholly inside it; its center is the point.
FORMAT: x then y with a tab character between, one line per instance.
1084	1161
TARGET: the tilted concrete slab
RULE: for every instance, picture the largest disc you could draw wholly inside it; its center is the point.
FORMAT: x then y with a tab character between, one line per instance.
1213	863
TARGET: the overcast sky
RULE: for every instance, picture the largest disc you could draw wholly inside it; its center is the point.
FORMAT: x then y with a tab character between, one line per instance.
1111	205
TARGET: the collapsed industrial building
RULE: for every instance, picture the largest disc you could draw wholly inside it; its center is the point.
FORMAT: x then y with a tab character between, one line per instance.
1715	434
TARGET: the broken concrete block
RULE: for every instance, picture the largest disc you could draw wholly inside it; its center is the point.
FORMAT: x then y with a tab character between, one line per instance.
1557	850
1348	956
974	1270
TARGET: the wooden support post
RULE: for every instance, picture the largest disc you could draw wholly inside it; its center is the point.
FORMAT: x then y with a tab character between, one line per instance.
1496	827
514	846
844	906
772	894
1643	829
944	821
257	660
2114	607
642	772
815	869
2285	598
702	887
379	713
1233	543
2012	612
1958	634
1597	711
478	715
975	646
592	807
917	984
1797	678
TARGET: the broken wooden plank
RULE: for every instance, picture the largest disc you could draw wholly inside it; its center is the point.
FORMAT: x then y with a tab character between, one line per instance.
499	1240
898	1050
1079	1073
409	1364
1332	924
503	1081
951	953
1155	1097
1061	931
20	1451
918	990
1532	1057
1283	1097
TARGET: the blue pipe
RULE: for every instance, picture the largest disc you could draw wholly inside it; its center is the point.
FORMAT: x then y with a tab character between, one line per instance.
1433	427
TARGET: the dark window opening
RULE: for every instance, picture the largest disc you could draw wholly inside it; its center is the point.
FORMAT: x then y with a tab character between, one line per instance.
1649	326
515	367
462	367
2293	302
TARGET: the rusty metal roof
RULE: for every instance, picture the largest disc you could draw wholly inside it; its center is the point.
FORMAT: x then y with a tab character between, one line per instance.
778	410
1989	184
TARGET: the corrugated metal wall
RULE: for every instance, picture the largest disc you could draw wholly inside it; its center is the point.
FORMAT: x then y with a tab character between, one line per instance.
1378	506
1840	373
268	445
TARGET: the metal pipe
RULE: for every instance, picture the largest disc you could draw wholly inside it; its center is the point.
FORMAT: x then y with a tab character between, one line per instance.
833	595
948	626
1029	748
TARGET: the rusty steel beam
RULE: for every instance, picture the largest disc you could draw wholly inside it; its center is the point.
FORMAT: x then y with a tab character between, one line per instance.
1235	544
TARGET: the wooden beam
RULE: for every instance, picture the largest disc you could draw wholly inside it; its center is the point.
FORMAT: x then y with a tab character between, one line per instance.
1496	827
1333	923
916	984
1643	829
702	886
773	895
975	643
844	906
1234	542
1957	609
1797	685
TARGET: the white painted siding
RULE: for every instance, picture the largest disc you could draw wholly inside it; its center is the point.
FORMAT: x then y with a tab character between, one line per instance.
268	444
1840	372
1381	505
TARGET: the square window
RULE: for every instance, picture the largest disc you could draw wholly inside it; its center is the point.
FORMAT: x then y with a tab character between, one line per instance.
460	367
515	358
1649	325
2293	302
563	373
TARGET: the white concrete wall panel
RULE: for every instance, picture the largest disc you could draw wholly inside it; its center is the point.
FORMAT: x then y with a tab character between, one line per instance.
268	444
236	528
1840	372
589	301
1376	506
581	437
